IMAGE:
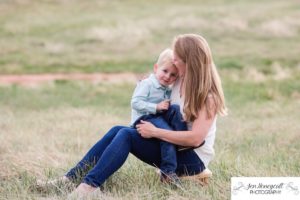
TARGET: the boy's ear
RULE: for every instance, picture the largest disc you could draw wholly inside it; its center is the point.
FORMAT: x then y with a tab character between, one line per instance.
155	68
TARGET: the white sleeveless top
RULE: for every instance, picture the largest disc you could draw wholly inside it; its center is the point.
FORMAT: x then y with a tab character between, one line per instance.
205	152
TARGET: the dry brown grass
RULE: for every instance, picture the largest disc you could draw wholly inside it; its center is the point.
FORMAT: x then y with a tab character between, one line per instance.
38	140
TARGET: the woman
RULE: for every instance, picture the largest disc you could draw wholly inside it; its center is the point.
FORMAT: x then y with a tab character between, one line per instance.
199	93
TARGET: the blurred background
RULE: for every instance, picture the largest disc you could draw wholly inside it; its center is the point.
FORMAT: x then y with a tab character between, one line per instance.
38	36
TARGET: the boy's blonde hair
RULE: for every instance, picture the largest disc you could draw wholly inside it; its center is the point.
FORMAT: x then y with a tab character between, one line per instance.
166	56
201	79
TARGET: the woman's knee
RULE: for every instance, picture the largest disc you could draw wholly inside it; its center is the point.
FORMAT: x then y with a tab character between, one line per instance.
116	128
113	132
125	132
128	135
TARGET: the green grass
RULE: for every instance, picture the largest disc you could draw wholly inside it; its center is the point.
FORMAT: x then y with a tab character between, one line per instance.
69	94
101	36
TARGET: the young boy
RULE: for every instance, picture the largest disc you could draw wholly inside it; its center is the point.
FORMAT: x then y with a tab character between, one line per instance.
150	102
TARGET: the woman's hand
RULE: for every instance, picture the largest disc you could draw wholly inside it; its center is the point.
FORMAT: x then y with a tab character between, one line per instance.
146	129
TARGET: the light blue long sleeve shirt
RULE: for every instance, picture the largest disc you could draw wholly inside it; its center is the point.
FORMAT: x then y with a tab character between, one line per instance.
147	94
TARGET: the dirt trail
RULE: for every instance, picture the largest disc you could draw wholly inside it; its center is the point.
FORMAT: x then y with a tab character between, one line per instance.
37	79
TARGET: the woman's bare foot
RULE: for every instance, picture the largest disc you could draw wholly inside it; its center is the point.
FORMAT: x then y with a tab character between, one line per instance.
84	191
84	188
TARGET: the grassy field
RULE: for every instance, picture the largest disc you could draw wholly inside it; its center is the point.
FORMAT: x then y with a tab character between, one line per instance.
39	36
45	129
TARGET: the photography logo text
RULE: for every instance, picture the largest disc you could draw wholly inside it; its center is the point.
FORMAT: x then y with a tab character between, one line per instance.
267	188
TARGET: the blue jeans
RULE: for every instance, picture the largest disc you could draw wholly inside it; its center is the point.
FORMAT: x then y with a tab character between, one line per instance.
169	120
172	117
110	153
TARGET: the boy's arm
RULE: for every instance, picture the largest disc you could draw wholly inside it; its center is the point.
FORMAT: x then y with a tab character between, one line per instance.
139	100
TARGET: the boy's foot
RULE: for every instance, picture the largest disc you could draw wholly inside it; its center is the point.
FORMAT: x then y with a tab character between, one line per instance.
171	179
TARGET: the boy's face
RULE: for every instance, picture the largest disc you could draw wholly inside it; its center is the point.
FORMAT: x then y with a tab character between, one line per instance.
166	74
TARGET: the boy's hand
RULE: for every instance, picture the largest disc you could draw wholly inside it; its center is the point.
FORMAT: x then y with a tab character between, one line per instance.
164	105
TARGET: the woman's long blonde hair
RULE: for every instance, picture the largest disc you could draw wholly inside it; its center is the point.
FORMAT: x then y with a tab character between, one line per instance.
201	79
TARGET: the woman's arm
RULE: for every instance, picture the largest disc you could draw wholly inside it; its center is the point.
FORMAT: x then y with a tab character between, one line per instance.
192	138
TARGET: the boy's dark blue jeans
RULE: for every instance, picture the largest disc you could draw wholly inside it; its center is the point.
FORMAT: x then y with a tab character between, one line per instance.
169	120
